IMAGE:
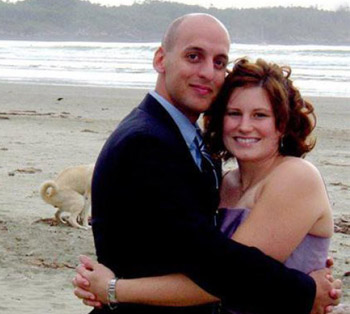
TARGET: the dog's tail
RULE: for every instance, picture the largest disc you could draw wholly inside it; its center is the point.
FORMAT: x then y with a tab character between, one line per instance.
47	190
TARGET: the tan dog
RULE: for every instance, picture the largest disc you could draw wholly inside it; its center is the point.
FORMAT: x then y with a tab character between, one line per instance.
70	192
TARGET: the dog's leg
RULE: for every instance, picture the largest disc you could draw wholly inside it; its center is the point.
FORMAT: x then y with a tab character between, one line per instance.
84	215
58	216
72	220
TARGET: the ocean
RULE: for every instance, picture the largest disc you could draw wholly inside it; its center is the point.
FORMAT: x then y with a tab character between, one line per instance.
316	70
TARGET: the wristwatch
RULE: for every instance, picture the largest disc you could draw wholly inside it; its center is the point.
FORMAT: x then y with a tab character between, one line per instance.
111	294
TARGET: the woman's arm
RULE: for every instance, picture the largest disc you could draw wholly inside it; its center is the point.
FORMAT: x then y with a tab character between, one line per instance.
292	203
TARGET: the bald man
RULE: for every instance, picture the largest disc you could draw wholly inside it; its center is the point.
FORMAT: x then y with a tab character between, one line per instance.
154	201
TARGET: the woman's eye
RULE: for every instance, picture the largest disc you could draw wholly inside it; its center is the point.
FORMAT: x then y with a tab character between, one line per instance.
233	113
261	115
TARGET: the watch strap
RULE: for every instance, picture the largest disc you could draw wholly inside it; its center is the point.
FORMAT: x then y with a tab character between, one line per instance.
111	294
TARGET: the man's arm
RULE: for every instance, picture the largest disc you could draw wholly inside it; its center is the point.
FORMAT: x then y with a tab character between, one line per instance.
175	234
164	230
92	279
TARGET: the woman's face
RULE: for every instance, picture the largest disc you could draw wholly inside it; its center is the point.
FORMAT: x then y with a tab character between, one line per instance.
249	128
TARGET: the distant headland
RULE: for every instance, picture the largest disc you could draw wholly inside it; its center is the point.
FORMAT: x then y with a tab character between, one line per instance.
76	20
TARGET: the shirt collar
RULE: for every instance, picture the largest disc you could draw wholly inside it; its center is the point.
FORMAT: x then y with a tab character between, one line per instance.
187	129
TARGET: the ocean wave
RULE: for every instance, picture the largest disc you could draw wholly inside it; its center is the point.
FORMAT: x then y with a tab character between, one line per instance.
316	69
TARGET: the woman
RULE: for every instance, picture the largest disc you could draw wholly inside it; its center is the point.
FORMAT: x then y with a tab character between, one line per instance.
275	200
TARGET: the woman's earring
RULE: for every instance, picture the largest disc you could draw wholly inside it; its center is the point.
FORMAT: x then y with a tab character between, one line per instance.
281	142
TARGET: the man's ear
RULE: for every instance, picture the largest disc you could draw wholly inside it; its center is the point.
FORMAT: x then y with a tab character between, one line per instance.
159	60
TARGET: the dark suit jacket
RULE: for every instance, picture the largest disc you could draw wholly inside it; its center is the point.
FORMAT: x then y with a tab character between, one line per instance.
153	212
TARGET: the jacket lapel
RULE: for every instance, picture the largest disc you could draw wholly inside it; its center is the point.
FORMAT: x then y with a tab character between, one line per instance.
174	136
151	106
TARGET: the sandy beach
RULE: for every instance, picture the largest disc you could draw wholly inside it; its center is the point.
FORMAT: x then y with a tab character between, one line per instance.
47	128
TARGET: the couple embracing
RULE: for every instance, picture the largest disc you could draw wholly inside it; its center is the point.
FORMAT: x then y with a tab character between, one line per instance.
173	234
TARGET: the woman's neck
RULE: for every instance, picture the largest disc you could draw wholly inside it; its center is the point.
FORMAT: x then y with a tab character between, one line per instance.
251	173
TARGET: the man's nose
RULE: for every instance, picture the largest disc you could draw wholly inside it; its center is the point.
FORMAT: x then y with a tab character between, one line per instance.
207	70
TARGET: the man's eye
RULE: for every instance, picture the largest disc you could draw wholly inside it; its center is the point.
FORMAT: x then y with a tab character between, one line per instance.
220	64
193	57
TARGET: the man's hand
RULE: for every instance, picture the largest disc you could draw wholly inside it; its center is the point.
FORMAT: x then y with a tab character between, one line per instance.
328	291
91	282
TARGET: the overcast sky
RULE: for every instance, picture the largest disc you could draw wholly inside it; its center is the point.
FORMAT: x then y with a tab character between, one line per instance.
321	4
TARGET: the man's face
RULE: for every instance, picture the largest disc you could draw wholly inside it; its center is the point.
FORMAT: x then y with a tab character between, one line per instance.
195	68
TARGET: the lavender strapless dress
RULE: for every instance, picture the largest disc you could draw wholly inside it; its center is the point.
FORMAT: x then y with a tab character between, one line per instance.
311	253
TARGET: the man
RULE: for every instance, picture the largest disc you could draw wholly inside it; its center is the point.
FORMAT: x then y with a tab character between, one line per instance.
154	197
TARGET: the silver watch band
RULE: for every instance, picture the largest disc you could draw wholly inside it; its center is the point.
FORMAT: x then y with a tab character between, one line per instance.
111	294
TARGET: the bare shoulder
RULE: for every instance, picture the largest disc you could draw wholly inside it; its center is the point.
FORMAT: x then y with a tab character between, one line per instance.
296	186
296	163
297	179
297	173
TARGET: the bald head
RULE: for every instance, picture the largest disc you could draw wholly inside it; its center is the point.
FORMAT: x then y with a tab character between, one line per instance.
183	23
191	63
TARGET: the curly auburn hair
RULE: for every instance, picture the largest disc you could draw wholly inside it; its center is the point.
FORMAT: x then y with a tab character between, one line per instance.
294	116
